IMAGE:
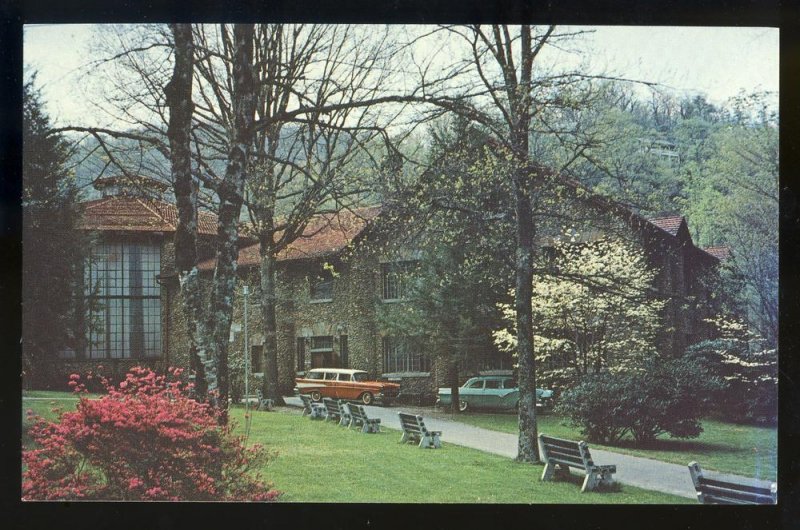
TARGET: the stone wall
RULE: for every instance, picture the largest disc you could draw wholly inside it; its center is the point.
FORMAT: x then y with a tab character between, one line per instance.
349	313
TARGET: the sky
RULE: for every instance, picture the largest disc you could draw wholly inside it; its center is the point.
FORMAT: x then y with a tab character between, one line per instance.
717	62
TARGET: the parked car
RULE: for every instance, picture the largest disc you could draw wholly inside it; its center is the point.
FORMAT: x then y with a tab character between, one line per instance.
492	392
344	383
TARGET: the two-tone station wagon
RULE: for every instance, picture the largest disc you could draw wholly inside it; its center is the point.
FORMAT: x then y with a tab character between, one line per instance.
492	392
344	383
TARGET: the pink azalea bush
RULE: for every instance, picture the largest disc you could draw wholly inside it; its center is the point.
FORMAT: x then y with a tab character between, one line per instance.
145	439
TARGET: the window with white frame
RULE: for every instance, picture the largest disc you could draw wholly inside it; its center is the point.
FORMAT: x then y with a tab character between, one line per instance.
124	298
400	356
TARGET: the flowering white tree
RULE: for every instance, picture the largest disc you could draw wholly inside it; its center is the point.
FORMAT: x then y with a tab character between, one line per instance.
595	310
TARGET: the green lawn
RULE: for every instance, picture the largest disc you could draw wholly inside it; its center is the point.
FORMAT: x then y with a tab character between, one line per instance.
322	462
44	407
725	447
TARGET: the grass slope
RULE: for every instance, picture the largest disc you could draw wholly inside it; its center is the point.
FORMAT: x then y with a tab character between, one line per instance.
726	447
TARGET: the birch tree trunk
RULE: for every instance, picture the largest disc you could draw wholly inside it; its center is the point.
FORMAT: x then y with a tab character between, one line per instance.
179	99
231	192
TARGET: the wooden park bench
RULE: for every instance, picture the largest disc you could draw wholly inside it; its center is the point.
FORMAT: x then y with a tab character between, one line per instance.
358	416
263	403
334	411
414	430
346	412
312	409
725	491
566	454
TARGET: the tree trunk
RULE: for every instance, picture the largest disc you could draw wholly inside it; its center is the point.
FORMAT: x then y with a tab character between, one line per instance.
231	192
528	450
179	99
269	321
454	396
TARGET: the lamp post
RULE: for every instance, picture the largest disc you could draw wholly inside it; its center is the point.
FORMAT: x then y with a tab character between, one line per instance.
246	351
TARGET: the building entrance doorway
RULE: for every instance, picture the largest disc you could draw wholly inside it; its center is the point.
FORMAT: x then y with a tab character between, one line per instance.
322	360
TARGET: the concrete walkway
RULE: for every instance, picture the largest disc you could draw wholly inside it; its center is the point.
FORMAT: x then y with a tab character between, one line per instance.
641	472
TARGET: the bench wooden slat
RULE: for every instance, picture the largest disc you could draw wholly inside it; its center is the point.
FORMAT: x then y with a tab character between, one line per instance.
560	442
708	499
561	451
570	448
570	461
334	411
759	490
312	409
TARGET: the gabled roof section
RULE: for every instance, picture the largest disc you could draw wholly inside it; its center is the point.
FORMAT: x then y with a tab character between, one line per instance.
674	225
670	224
721	252
125	213
325	235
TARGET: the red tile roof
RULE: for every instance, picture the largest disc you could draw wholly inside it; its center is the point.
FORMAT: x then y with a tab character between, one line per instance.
669	224
138	214
325	235
721	253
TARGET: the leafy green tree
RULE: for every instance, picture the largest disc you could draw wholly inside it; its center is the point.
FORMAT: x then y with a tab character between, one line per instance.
628	156
734	202
448	311
453	214
747	161
717	165
594	309
53	247
498	79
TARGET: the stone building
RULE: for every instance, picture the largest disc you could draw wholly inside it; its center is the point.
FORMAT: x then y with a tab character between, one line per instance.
331	283
129	304
683	278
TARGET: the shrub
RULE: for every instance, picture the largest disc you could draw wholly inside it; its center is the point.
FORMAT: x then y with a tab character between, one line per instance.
749	392
596	405
143	440
659	397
